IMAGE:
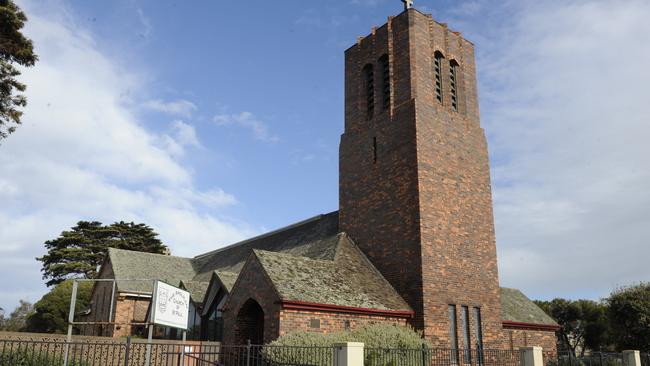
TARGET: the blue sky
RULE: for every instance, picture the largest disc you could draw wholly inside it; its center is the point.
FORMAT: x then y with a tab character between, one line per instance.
216	120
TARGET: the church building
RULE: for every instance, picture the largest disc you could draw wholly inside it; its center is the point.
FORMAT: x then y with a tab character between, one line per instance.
412	243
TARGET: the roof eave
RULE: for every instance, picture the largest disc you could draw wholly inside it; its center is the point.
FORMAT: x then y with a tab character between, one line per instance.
533	326
304	305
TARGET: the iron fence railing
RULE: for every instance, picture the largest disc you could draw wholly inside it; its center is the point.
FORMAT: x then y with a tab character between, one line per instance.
591	359
439	357
112	353
128	353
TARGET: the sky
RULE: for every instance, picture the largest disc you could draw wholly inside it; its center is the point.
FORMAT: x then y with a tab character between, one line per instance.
213	121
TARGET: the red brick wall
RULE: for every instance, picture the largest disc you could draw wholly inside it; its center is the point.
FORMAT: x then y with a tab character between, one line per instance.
517	338
423	211
252	284
130	310
301	320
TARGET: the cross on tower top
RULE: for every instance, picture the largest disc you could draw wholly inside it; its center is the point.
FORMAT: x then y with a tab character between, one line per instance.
408	4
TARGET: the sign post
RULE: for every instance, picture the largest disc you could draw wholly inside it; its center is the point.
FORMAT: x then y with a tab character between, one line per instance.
170	307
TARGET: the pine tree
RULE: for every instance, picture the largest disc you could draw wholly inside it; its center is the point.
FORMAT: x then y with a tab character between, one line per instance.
78	253
15	48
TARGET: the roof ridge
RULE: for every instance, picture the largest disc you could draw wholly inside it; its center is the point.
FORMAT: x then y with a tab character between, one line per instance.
267	234
148	253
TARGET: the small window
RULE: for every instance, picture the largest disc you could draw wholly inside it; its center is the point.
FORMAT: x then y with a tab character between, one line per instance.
453	80
346	325
314	323
437	71
385	81
369	80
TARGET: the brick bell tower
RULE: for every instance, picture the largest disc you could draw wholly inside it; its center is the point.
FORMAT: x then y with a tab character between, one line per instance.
415	189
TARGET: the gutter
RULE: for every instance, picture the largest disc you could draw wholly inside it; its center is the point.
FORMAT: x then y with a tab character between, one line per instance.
310	306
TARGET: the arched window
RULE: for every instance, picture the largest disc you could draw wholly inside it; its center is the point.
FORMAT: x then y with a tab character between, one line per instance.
453	79
384	66
437	70
369	82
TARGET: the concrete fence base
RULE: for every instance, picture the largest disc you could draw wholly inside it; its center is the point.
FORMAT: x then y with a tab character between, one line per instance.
631	358
348	354
531	356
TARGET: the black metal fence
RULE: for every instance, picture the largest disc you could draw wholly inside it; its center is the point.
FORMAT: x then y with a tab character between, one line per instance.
591	359
439	357
111	353
115	353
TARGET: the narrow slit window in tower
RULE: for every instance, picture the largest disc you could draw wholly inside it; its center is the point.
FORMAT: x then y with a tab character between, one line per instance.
467	347
453	79
385	85
437	70
369	79
479	328
453	329
374	150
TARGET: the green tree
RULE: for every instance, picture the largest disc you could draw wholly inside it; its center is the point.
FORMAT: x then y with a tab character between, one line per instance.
50	313
629	314
584	324
17	319
78	253
15	48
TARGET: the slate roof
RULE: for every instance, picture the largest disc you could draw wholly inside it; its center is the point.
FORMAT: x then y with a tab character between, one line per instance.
302	239
129	265
196	289
516	307
346	280
299	258
227	279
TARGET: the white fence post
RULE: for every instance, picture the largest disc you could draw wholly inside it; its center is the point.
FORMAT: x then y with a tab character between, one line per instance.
631	358
348	354
531	356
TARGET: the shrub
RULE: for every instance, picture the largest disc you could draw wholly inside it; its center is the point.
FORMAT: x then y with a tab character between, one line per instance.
385	345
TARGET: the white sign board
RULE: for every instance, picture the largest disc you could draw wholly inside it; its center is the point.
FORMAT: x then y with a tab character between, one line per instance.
171	306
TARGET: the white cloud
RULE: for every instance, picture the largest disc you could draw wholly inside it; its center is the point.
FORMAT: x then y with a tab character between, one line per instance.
183	135
82	154
181	107
186	134
564	100
248	121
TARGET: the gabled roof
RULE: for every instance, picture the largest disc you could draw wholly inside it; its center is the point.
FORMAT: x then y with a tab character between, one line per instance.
130	265
302	239
348	279
196	289
517	308
227	279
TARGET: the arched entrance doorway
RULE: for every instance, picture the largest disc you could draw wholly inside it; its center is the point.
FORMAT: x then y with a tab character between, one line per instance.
250	323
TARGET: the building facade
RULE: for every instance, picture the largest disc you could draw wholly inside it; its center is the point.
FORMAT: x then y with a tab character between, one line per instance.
413	242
